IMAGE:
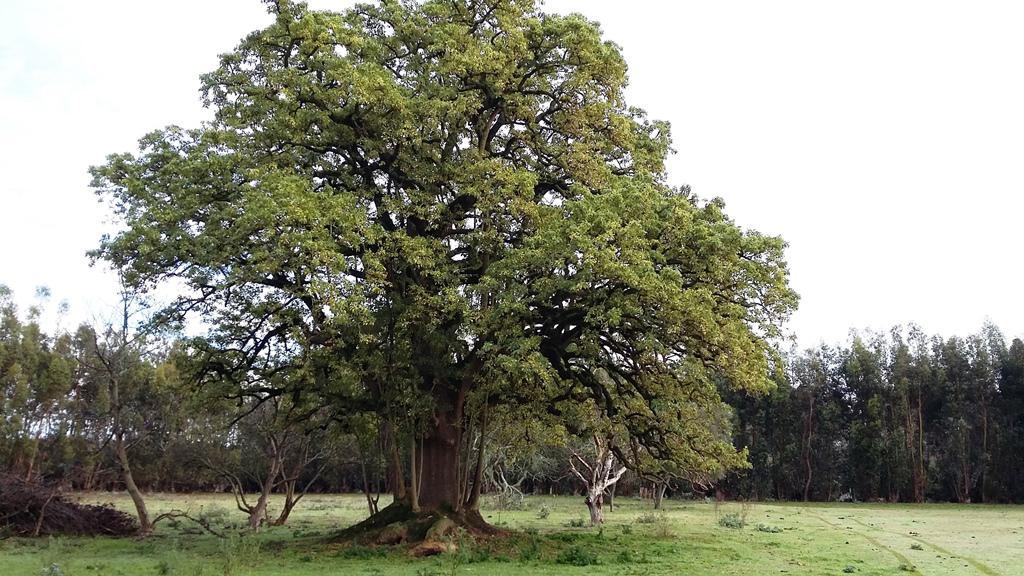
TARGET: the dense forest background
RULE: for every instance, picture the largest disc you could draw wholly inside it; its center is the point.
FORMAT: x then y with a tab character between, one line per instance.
901	416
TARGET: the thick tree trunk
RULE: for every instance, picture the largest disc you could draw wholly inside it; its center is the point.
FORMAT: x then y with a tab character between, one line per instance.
438	473
444	477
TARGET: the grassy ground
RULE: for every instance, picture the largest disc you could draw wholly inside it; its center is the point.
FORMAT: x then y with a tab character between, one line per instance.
688	538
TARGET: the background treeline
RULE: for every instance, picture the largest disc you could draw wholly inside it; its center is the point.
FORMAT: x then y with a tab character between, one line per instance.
901	416
70	400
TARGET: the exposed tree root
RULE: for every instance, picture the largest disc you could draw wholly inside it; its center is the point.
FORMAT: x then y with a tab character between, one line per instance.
398	524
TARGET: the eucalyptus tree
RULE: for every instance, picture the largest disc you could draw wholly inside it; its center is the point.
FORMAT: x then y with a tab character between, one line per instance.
35	379
425	211
907	373
987	350
1011	399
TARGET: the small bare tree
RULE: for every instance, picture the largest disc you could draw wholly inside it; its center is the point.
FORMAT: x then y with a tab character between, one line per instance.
600	475
294	453
310	454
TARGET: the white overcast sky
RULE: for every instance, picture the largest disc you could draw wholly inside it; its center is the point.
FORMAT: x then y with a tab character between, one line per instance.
884	140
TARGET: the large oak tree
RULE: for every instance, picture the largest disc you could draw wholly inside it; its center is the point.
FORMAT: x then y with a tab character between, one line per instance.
432	212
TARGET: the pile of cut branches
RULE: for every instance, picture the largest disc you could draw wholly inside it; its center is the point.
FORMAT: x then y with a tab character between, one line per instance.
35	509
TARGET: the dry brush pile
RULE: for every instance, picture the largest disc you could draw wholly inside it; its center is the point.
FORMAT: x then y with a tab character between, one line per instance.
36	509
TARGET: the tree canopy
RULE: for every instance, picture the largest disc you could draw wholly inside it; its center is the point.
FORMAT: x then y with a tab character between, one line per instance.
425	211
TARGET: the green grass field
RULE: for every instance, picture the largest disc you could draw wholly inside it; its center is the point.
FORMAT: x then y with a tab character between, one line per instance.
687	539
